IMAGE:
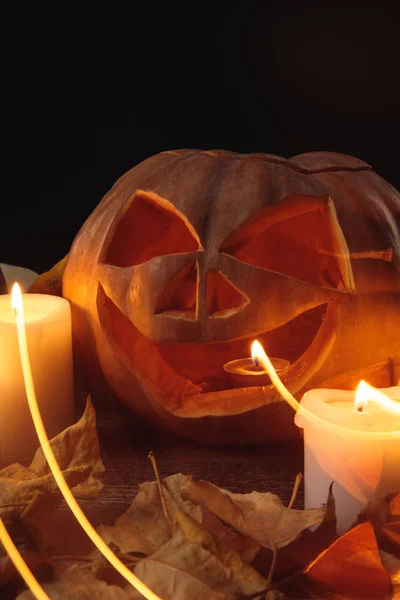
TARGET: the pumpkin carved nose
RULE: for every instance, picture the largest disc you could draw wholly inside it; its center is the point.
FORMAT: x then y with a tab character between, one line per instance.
181	294
222	297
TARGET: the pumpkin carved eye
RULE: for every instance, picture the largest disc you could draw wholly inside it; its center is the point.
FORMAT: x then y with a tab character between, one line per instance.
299	237
147	226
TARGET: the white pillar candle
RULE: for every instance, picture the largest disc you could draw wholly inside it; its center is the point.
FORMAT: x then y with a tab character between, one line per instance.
361	456
48	327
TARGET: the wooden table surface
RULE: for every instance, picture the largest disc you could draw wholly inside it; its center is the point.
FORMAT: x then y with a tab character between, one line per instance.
125	441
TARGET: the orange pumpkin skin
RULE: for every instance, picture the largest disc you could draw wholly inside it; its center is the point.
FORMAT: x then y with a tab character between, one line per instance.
193	254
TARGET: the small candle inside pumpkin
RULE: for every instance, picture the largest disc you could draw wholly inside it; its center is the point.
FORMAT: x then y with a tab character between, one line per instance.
249	371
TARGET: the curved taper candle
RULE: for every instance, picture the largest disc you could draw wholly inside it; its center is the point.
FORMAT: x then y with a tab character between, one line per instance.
21	565
373	393
17	305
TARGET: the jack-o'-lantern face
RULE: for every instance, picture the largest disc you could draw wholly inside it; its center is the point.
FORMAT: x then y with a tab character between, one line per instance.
182	267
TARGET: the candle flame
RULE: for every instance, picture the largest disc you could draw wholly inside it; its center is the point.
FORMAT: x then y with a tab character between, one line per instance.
16	302
256	352
365	393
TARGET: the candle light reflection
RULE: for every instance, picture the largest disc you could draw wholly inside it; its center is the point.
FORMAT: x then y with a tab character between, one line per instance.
17	305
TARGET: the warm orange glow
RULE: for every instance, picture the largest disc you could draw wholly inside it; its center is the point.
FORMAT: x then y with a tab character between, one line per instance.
21	565
17	305
373	394
366	393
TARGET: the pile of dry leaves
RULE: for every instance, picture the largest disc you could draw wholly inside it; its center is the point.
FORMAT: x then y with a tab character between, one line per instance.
190	540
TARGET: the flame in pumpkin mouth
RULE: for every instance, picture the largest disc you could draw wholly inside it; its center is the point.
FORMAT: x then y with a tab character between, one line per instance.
181	372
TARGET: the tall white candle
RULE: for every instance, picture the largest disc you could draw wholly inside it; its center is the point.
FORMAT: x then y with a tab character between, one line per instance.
48	327
361	456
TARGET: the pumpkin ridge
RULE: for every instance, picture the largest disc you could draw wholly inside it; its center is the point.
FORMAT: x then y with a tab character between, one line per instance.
280	160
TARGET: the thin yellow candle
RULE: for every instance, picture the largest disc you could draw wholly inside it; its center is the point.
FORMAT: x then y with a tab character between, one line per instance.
17	305
21	565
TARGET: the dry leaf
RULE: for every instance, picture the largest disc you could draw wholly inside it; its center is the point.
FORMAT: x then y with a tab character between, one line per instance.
77	452
261	516
144	528
391	529
77	448
352	567
38	562
275	595
392	566
183	570
295	557
80	585
196	533
384	515
36	514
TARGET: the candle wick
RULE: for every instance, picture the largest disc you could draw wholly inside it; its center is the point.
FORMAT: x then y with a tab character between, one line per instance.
256	365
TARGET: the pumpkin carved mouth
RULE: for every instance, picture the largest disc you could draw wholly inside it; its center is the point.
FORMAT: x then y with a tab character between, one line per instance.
188	373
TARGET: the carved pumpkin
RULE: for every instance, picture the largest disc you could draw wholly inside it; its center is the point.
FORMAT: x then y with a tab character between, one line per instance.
193	254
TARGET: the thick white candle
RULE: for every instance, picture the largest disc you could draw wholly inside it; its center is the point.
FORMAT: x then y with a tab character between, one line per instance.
361	456
48	327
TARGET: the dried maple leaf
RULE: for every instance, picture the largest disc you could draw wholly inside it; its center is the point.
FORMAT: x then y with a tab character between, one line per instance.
384	515
144	527
196	533
80	585
78	454
391	529
352	567
392	566
38	562
77	449
261	516
294	557
183	569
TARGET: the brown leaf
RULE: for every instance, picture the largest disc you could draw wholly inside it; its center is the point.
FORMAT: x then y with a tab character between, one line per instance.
38	562
184	569
196	533
295	557
36	514
77	448
77	452
77	584
392	566
275	595
261	516
144	527
392	526
384	515
352	567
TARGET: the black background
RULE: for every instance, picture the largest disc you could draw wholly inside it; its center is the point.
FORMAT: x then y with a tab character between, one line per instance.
86	95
